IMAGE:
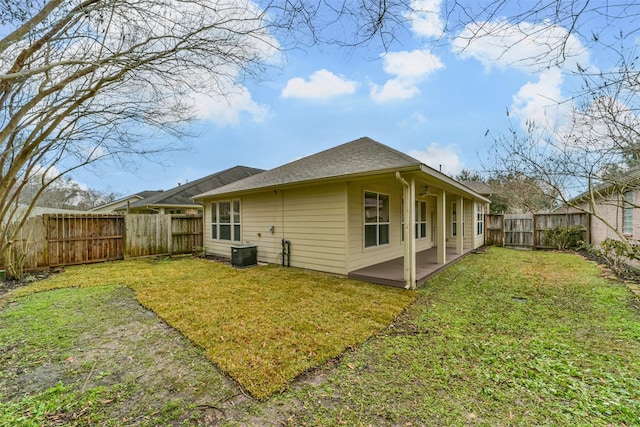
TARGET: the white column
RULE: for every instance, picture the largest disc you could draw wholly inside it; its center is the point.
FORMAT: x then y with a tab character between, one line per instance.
460	221
407	227
412	233
441	219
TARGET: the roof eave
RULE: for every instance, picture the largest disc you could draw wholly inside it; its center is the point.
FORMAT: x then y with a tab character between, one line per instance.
409	168
452	182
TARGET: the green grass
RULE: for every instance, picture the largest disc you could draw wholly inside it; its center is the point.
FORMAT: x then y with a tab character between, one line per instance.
503	338
264	326
94	356
499	339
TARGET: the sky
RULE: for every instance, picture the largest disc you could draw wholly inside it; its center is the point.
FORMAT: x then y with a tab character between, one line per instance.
441	105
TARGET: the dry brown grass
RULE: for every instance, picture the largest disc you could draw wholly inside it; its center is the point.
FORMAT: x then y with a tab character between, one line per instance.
264	325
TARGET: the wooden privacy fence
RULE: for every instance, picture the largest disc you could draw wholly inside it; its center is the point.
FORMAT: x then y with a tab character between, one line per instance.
61	239
529	230
161	234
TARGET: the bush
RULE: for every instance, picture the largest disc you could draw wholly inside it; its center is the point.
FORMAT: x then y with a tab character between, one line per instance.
617	254
564	237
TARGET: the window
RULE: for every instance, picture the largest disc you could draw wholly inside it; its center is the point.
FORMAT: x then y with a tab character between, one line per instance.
225	220
627	213
421	219
214	221
479	219
376	219
433	226
454	220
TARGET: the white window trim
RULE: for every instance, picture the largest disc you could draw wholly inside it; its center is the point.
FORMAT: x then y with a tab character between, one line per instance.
377	223
479	219
417	223
232	223
454	219
420	220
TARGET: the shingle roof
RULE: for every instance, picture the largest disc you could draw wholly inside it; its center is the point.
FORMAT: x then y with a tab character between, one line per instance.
621	182
121	202
360	156
148	193
182	194
479	187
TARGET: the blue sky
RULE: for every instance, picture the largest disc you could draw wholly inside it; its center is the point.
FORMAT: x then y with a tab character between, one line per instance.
435	104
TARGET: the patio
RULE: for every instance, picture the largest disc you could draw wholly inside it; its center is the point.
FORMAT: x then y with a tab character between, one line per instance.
391	272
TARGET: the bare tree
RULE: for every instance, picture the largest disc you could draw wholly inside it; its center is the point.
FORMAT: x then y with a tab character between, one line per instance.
588	161
83	81
591	150
64	193
555	28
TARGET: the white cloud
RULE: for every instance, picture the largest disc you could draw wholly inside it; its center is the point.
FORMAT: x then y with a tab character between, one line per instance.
227	111
425	18
440	158
528	46
417	118
410	68
590	128
540	101
50	172
322	84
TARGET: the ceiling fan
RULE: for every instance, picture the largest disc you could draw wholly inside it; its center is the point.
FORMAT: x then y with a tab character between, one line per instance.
426	192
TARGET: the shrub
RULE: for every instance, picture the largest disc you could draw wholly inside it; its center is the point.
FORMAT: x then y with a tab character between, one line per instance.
617	253
564	237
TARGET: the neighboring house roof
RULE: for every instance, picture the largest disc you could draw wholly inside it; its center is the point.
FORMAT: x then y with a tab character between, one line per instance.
628	180
361	156
41	210
182	194
479	187
122	202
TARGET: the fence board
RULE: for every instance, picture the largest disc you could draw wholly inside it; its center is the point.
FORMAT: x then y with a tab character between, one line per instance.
518	230
529	230
186	234
544	223
147	234
494	229
65	239
82	239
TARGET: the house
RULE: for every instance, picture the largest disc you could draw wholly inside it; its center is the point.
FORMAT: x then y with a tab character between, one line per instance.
178	200
123	202
479	187
346	210
614	208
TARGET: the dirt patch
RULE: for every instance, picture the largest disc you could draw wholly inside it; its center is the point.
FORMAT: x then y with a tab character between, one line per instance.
8	285
146	372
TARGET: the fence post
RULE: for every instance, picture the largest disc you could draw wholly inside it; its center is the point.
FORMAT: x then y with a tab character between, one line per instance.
169	219
535	232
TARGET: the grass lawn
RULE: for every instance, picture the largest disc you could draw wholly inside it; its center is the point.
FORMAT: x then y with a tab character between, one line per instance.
501	338
264	325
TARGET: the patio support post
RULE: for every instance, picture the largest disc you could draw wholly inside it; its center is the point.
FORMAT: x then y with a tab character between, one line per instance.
441	219
460	225
407	214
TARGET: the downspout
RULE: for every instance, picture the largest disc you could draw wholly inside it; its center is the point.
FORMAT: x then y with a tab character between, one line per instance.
409	260
412	232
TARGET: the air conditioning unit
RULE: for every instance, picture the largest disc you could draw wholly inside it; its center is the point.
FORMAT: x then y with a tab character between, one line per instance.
244	255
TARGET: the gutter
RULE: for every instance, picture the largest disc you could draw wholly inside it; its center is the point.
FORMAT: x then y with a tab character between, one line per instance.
216	193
